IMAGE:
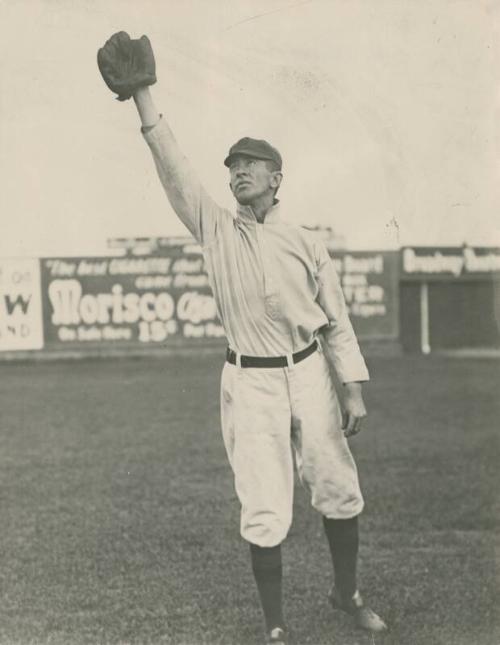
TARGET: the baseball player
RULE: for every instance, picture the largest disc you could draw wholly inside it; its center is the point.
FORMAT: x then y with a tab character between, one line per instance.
282	308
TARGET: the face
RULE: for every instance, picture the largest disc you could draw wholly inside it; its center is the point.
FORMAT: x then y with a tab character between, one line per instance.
251	179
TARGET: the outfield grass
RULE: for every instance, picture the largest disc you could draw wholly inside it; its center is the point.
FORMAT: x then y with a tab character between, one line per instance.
120	524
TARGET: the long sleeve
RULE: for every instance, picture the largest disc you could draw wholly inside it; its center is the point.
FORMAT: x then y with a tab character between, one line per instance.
190	201
339	335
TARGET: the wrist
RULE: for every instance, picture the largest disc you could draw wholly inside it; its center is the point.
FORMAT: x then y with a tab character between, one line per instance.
145	106
141	93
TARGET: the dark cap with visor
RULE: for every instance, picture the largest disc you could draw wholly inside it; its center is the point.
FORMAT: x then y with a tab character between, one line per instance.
255	148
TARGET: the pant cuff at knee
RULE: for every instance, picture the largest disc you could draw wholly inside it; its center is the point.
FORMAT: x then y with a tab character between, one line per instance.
341	512
265	535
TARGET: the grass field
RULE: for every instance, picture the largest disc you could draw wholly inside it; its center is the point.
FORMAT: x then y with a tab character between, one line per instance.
119	523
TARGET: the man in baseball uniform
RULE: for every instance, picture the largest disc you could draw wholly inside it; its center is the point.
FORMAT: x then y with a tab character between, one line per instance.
281	304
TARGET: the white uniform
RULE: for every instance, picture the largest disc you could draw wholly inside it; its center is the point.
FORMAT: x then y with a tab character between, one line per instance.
276	291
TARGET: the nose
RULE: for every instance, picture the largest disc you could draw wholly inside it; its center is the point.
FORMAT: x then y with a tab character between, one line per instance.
241	170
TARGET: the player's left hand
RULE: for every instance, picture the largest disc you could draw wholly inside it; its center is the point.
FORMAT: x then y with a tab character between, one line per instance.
354	409
126	64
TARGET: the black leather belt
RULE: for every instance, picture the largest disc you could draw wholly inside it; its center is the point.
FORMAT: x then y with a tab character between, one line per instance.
270	361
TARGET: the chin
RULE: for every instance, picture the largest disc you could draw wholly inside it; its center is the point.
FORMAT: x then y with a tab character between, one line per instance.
244	200
247	197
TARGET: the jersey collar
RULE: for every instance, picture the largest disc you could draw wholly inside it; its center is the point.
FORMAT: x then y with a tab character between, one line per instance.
246	213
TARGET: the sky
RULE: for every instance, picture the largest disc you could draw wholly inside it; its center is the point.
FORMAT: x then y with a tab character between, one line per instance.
386	113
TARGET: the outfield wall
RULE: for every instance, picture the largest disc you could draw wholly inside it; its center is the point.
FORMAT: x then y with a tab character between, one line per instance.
449	298
163	299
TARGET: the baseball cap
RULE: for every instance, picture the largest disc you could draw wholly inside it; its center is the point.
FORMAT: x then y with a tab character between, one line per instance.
256	148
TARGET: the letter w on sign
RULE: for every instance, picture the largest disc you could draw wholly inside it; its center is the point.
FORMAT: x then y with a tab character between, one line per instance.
20	301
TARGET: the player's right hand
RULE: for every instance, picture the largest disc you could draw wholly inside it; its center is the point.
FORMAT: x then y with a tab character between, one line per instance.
126	64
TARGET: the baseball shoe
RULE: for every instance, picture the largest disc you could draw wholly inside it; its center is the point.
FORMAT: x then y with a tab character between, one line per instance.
277	636
364	617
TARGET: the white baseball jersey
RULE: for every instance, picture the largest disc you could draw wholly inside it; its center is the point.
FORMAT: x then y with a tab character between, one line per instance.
274	284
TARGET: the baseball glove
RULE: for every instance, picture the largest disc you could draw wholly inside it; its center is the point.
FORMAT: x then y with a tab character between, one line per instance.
126	64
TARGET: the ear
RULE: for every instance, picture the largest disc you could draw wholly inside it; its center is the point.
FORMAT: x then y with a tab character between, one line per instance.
276	178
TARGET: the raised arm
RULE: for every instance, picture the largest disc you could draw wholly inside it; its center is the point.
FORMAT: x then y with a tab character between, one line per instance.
128	68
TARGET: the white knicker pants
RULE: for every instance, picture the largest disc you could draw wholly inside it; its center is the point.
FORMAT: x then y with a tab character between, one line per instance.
269	415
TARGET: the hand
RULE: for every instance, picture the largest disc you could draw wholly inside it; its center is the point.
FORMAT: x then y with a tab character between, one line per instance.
126	65
354	409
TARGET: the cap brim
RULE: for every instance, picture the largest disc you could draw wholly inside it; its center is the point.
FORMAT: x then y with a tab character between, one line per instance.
243	153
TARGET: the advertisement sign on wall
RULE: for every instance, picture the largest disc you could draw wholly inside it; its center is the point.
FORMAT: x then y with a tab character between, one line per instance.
456	263
20	305
370	285
127	299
